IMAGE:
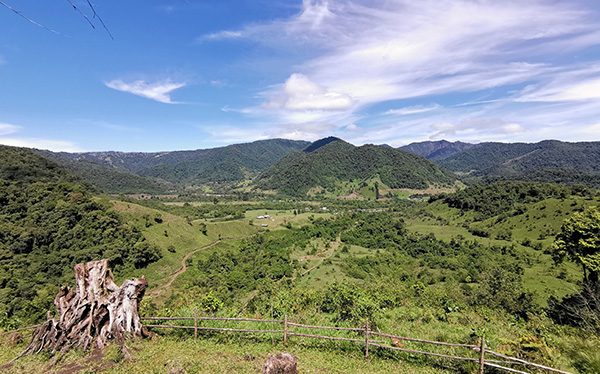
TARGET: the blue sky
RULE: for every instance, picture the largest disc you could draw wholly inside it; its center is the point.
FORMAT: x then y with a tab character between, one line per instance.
186	74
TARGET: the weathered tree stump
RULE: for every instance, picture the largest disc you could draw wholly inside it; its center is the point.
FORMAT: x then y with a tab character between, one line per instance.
282	363
96	312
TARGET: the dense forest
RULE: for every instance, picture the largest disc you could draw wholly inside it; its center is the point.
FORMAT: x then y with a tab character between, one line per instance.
107	178
547	161
336	161
51	220
232	163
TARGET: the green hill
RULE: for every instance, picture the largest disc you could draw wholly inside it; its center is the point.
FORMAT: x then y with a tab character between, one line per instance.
109	179
224	164
547	161
24	165
338	162
51	220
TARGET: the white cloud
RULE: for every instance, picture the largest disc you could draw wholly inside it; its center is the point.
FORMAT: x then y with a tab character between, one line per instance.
218	83
226	34
7	128
480	126
415	109
353	127
52	145
371	52
573	85
158	91
301	94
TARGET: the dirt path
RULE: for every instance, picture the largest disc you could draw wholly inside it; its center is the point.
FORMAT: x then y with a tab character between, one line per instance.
322	256
158	291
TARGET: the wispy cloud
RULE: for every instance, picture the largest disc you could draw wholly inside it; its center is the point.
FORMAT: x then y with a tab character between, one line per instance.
7	128
475	125
51	145
378	52
221	35
16	141
415	109
158	91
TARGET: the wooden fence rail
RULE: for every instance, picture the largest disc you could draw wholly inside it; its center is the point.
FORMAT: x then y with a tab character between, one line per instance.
481	348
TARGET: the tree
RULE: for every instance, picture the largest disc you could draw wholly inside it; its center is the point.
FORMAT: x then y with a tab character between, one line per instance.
579	241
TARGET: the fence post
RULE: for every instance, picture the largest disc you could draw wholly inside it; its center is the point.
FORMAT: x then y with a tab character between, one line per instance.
285	327
482	354
195	323
367	339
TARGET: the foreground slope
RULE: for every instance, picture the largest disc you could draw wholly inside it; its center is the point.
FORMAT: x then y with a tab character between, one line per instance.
338	161
22	164
51	220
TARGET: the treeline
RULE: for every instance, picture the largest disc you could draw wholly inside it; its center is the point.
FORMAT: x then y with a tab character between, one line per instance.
491	200
47	228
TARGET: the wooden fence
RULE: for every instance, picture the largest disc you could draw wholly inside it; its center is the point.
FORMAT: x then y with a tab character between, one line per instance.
287	331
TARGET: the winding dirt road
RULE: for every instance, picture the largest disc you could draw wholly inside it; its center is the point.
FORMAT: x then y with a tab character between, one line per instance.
159	290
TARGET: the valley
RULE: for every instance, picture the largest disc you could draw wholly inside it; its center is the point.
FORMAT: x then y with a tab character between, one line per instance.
442	262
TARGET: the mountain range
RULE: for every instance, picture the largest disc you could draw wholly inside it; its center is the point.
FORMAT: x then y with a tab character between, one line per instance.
296	167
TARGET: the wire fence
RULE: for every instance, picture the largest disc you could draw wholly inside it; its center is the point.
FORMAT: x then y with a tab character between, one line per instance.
291	329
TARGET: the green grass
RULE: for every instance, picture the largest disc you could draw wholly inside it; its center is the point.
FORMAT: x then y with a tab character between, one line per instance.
538	224
165	354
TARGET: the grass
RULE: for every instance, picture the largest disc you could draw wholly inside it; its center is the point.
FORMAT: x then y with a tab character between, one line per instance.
538	224
169	354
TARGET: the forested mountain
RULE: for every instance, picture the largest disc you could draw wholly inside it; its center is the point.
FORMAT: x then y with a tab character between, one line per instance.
22	164
546	161
296	173
109	179
231	163
50	220
437	150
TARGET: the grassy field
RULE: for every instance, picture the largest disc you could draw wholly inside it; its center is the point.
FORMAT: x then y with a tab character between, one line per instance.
233	355
536	227
528	234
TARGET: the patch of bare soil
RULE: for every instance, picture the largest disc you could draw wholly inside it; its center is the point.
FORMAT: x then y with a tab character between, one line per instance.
94	359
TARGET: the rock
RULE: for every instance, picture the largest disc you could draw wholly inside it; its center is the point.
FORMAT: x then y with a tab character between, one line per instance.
282	363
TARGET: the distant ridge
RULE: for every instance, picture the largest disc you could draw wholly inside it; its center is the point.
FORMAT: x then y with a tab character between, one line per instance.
338	161
437	150
547	161
109	179
235	162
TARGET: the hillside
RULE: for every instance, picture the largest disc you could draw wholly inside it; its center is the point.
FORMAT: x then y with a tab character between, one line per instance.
51	220
231	163
22	164
109	179
437	150
546	161
337	162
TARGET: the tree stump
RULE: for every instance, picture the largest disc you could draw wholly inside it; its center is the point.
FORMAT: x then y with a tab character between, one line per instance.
94	313
282	363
